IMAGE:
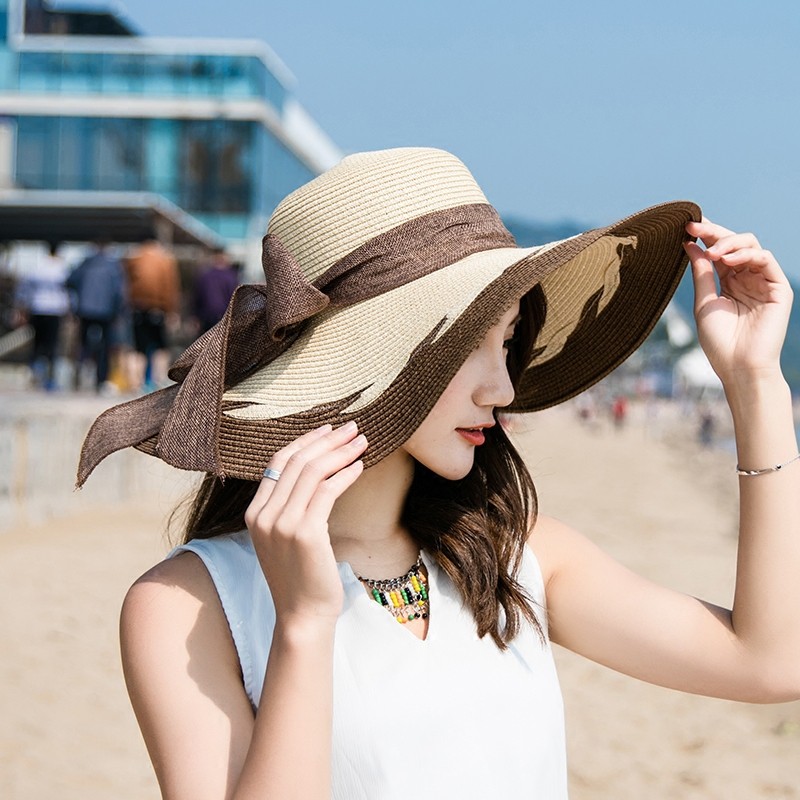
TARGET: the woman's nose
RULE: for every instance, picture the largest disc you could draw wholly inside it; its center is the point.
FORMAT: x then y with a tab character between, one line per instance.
495	388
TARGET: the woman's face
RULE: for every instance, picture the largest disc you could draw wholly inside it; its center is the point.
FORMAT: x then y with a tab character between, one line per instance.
445	442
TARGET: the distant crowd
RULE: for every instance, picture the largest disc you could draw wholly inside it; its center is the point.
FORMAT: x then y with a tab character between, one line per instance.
597	404
115	318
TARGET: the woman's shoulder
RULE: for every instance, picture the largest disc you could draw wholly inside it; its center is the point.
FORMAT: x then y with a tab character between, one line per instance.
553	542
177	586
546	532
172	603
189	575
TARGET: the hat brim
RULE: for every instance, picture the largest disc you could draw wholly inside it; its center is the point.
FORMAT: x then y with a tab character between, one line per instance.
604	339
385	361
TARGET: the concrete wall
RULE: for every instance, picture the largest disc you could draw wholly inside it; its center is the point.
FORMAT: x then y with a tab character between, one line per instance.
40	439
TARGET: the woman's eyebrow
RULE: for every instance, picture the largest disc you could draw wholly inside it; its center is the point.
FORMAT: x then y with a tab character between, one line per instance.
514	321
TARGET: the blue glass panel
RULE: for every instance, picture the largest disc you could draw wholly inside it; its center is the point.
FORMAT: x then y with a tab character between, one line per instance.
283	173
38	72
233	226
222	171
122	73
215	173
118	147
202	78
153	74
161	157
80	153
8	69
80	72
74	160
229	226
234	75
37	153
158	77
269	86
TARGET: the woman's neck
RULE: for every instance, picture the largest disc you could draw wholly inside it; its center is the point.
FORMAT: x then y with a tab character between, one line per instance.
365	527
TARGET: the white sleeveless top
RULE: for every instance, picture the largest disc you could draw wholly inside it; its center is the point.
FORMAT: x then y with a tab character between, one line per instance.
448	717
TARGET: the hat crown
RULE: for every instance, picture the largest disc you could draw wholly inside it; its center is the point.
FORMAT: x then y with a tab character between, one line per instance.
365	195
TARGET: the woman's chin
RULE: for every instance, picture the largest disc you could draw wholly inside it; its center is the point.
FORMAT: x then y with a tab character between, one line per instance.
453	470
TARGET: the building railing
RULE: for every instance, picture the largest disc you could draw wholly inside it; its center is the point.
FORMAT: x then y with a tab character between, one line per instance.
151	74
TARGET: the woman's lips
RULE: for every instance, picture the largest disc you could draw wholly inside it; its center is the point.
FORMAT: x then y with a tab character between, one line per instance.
472	435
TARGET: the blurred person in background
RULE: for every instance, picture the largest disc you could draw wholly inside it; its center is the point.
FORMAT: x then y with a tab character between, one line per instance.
42	301
97	286
705	431
154	297
619	411
213	290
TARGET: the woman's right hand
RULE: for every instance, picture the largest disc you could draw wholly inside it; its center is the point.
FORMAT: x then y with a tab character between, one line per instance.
288	522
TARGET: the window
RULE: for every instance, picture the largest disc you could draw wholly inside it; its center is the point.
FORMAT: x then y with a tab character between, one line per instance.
216	171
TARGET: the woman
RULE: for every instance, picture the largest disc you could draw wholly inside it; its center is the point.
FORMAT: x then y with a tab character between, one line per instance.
264	657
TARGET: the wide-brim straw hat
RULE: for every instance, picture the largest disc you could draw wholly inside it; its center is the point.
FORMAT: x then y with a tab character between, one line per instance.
381	276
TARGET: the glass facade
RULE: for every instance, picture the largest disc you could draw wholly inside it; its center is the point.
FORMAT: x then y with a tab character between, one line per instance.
151	74
221	171
201	165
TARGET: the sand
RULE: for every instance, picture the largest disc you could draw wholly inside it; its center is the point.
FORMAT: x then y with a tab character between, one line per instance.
665	509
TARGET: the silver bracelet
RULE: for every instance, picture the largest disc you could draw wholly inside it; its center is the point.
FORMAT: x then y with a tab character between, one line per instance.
776	468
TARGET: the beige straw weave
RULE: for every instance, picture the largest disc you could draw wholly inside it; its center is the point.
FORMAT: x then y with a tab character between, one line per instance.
372	197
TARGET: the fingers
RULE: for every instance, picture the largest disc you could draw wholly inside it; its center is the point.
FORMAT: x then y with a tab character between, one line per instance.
719	239
707	231
731	244
736	252
705	287
278	461
306	465
755	260
318	474
321	503
293	463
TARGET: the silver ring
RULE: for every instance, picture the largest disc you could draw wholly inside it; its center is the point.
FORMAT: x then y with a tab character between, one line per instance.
272	474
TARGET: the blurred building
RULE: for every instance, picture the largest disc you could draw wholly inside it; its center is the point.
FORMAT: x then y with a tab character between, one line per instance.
105	130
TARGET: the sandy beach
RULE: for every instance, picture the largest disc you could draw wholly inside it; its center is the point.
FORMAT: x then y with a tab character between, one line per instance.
666	509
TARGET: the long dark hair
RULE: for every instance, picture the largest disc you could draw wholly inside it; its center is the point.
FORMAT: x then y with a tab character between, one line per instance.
475	528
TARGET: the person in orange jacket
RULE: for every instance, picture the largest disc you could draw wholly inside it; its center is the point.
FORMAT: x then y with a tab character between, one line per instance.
154	294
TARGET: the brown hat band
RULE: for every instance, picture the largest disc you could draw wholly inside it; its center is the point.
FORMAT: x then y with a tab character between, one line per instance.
402	254
262	321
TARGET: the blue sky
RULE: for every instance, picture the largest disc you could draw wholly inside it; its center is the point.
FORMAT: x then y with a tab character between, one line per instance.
578	110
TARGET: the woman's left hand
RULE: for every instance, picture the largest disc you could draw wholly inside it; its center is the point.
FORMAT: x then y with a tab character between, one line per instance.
742	327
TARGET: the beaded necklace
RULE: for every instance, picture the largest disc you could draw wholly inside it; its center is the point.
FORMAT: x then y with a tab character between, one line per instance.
406	597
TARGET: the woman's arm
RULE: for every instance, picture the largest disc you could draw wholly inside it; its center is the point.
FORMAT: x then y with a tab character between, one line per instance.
184	681
604	611
742	331
181	665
